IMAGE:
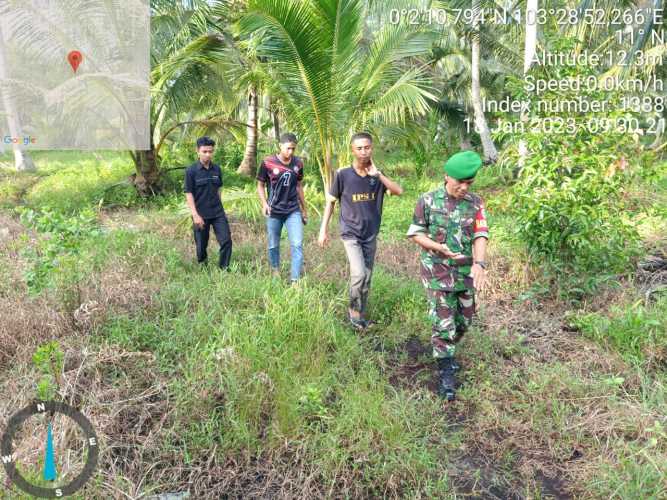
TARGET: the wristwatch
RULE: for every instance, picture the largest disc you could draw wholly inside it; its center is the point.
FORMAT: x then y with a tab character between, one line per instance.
481	263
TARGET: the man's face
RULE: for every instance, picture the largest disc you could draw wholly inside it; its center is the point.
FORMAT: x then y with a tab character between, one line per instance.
205	154
362	149
287	149
457	188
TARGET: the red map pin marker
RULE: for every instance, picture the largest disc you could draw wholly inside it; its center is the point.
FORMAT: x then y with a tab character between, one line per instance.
75	57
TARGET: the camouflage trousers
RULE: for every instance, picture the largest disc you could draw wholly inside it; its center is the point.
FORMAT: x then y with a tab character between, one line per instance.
450	314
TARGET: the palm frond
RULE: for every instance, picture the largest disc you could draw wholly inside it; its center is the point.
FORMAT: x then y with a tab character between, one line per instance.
392	43
406	97
289	41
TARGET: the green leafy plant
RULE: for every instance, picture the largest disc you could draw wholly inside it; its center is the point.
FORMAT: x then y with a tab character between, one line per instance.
311	403
570	196
49	361
228	154
62	237
332	75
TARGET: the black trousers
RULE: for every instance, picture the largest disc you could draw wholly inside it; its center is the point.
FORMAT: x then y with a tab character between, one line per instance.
222	234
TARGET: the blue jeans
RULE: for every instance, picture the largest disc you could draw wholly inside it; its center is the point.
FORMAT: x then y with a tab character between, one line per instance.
274	227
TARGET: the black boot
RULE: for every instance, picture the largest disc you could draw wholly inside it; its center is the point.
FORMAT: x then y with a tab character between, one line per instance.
447	389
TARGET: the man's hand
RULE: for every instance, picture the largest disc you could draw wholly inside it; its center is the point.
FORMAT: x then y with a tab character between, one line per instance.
323	239
444	250
478	277
304	217
372	170
266	209
198	221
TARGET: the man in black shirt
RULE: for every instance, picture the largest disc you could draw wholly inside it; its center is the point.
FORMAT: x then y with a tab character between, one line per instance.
360	189
282	173
203	181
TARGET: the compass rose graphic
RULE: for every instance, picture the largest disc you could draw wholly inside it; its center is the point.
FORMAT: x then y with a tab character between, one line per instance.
54	414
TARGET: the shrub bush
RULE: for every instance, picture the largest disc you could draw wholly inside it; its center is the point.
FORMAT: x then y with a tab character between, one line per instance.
60	245
570	199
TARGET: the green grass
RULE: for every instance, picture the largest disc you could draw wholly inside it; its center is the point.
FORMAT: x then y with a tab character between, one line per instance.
640	471
638	331
253	362
69	181
257	370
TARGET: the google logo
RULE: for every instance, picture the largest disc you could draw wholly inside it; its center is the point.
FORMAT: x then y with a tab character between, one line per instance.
25	140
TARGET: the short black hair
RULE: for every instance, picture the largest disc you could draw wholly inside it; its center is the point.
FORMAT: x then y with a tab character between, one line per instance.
205	141
361	135
287	137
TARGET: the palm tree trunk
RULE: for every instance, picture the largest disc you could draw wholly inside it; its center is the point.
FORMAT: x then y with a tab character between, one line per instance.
22	160
276	125
248	166
273	110
464	141
529	52
325	161
490	152
147	179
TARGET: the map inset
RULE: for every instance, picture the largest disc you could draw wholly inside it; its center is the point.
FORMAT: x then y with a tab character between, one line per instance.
75	74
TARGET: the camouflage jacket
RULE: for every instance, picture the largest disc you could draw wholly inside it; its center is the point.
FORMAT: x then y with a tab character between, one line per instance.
456	223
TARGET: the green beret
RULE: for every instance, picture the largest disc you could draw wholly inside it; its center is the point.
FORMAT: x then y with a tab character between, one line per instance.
463	165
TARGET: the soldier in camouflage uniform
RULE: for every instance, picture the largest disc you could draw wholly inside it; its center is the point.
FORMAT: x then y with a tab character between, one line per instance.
449	224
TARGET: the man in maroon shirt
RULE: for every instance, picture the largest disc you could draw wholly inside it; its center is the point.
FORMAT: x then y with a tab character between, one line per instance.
282	174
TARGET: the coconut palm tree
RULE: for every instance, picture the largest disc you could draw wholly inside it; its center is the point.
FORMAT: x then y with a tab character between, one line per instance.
22	160
244	75
453	72
248	166
530	46
64	108
490	152
333	75
190	84
185	76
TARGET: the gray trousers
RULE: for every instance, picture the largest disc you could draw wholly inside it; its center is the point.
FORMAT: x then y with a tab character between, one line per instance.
360	255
